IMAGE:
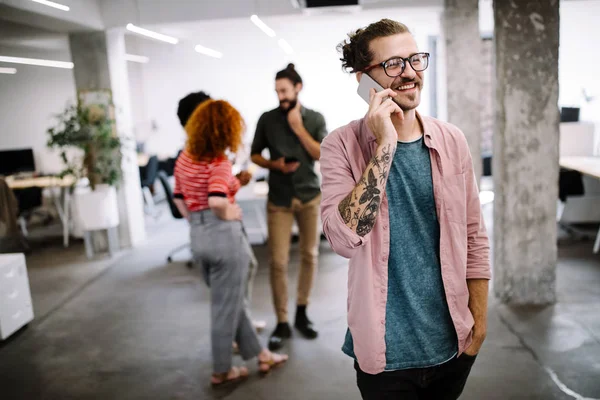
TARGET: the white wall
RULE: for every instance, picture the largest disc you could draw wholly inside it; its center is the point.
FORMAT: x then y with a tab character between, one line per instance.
245	75
28	101
30	98
579	57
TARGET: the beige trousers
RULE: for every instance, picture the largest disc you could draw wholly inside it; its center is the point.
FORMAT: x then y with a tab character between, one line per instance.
280	221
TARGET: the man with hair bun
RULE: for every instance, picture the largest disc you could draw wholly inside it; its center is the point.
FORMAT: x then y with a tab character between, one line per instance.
400	200
292	133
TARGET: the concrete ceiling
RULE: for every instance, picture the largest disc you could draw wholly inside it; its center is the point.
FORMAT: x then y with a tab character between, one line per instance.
18	35
104	14
83	15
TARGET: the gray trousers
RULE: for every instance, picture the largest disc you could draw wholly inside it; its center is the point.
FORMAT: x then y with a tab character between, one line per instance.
220	249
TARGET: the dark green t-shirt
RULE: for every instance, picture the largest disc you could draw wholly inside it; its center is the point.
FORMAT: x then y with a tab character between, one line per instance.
273	132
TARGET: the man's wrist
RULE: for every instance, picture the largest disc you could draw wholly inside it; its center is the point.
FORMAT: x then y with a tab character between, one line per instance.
271	165
479	332
387	144
299	129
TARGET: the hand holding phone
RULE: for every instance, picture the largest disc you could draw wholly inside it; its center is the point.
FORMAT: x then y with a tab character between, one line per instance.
381	109
286	167
365	85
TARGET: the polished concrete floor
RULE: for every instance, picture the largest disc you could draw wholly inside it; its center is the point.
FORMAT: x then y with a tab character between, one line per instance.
138	328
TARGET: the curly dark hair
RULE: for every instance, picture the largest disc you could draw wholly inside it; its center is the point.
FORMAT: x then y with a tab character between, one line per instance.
356	51
214	127
188	104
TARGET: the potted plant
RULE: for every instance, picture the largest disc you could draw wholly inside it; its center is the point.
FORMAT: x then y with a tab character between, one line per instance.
91	151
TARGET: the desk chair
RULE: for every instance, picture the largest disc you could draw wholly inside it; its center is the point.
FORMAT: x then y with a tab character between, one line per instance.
168	165
164	180
148	175
29	200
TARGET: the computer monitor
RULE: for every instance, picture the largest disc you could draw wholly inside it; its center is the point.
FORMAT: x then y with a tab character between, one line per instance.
16	161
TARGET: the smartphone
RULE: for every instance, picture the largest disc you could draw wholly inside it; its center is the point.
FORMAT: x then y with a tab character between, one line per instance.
290	160
365	85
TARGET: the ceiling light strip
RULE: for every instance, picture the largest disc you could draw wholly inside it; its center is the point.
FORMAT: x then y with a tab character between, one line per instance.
136	58
151	34
285	46
208	52
262	26
53	4
10	71
37	61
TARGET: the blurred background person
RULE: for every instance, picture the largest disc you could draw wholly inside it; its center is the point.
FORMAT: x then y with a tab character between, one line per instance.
206	188
186	107
293	134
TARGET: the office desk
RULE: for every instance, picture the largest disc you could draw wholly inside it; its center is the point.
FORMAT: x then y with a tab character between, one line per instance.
253	198
50	182
586	165
589	166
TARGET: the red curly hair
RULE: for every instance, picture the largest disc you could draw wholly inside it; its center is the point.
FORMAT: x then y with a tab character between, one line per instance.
214	127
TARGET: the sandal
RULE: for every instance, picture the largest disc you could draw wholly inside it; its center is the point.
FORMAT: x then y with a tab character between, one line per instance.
274	361
235	374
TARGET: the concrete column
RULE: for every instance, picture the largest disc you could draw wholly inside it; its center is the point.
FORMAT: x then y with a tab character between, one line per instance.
460	21
525	161
99	59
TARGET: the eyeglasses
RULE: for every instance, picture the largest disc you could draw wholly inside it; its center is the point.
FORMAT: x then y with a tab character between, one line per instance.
395	66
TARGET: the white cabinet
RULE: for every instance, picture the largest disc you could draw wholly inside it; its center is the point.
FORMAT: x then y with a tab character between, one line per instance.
15	298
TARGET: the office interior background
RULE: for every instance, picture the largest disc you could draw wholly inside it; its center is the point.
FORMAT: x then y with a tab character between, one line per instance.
116	314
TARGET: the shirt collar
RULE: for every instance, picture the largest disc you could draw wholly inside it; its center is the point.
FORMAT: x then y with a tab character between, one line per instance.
427	132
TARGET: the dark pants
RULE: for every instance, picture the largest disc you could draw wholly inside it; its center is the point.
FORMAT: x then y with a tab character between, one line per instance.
442	382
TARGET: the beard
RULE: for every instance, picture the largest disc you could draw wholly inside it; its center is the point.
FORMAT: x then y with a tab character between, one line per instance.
287	105
408	101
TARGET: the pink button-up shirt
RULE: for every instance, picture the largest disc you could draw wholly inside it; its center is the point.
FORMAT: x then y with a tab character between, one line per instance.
464	245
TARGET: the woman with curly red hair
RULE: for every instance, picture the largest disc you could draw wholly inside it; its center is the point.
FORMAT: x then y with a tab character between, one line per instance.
205	191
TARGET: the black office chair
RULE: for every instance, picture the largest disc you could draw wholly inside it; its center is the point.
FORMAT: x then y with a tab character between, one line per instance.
30	200
148	175
168	165
164	180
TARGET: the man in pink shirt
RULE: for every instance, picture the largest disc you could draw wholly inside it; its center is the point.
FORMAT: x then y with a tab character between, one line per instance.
400	200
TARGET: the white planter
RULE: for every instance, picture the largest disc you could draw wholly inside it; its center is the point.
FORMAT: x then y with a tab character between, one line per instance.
97	209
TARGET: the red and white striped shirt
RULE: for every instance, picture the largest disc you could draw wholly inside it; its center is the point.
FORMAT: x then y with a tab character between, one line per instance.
195	181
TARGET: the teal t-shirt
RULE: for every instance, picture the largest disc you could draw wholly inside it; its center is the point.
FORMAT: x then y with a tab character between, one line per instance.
419	331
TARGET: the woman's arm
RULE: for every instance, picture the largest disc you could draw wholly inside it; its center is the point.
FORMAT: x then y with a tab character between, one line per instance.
224	209
183	210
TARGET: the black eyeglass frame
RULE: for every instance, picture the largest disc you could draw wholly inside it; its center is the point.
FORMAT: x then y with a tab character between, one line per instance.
404	60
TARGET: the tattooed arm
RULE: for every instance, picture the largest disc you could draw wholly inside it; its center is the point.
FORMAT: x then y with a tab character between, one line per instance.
349	209
360	208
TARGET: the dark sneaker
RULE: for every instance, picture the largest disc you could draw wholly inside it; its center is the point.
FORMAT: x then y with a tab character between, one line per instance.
304	325
281	332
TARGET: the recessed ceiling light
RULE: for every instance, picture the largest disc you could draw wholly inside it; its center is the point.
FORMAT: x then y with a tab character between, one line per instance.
285	46
37	61
263	27
208	52
136	58
10	71
52	4
151	34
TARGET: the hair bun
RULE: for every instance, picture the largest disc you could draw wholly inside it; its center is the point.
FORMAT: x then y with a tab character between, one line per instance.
291	66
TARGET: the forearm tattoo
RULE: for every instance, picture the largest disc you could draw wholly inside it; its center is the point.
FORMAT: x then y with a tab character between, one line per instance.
360	208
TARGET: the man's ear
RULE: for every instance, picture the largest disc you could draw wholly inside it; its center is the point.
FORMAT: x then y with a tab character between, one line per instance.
299	87
358	76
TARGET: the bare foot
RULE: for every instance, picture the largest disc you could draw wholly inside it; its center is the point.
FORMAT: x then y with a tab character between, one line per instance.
235	374
267	361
